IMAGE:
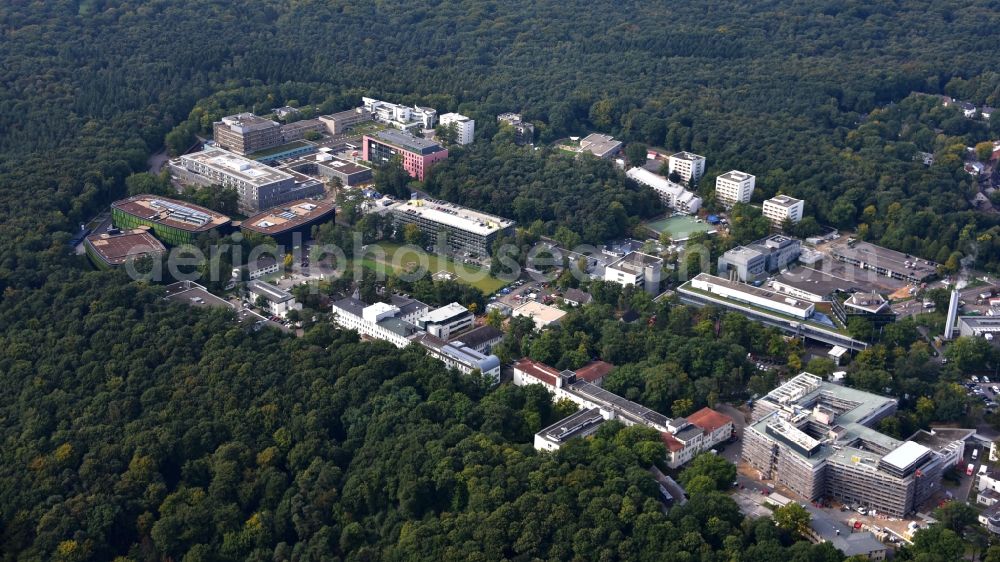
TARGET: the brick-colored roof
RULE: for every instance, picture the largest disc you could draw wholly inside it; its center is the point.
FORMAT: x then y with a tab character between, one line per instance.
540	371
673	445
594	371
709	420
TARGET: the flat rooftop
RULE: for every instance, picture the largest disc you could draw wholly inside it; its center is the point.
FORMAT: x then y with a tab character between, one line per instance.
116	249
303	124
408	142
288	216
172	213
784	201
237	166
452	215
636	261
884	257
541	313
940	437
736	175
599	144
445	313
815	281
684	155
582	422
190	293
247	122
905	455
622	406
981	323
268	291
754	291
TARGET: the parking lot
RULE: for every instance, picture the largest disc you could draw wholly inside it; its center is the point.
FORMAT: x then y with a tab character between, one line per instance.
985	389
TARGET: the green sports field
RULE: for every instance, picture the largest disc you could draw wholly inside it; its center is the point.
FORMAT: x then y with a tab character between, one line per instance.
398	259
680	227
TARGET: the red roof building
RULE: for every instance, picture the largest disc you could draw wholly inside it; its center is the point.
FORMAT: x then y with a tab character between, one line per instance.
594	372
709	420
528	371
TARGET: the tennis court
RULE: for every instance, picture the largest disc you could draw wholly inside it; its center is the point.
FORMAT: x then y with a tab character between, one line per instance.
679	227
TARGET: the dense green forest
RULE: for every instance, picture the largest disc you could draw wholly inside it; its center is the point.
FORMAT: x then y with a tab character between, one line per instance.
153	432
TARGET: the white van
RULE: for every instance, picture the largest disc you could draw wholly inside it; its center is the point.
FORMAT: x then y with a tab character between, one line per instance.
975	454
975	378
982	469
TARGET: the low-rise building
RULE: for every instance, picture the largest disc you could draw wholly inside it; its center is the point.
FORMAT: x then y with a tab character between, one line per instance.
524	131
115	248
481	338
689	166
542	314
283	222
781	208
299	129
576	297
883	261
869	306
684	438
278	301
465	128
734	187
340	123
416	154
849	541
456	355
326	165
400	116
173	222
673	195
601	146
583	423
381	321
636	269
987	327
754	261
260	267
754	296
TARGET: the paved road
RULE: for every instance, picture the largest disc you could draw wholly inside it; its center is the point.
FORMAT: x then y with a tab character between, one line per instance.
156	161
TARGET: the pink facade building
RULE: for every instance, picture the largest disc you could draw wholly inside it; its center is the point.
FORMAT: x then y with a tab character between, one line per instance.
416	154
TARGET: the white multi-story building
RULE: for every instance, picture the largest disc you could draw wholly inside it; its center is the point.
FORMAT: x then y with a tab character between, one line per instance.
465	128
756	296
279	302
690	167
734	187
637	269
780	208
672	194
445	321
400	116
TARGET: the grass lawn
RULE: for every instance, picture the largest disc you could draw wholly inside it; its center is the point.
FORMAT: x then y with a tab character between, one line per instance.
399	259
679	227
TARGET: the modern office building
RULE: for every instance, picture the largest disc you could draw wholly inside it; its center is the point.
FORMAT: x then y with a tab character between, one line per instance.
734	187
601	146
673	195
278	301
245	133
340	123
397	323
299	129
815	438
884	261
283	222
260	267
465	128
173	222
754	261
115	248
400	116
684	438
636	269
690	167
872	307
416	154
326	165
780	208
258	185
524	131
465	230
445	321
754	296
987	327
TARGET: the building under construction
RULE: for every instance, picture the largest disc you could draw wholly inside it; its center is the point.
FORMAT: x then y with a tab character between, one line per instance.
816	438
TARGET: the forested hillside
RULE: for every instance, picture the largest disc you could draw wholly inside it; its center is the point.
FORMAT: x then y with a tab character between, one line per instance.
132	428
